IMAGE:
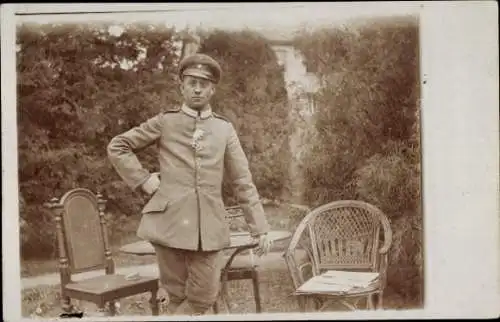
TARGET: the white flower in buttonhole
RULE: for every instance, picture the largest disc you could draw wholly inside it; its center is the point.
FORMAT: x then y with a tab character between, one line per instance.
197	135
196	145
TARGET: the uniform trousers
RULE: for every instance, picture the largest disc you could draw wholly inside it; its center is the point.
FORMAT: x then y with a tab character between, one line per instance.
190	278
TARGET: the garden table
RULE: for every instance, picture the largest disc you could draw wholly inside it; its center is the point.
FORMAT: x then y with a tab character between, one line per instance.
239	242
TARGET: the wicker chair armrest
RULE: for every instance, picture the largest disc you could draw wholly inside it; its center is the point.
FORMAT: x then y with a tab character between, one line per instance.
296	265
294	241
294	269
386	225
383	269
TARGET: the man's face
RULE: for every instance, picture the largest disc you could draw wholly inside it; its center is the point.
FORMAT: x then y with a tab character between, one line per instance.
197	91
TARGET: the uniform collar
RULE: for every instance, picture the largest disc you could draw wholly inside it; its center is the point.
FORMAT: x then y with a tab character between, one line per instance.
206	113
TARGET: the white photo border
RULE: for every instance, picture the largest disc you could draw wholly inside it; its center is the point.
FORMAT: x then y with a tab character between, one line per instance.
460	139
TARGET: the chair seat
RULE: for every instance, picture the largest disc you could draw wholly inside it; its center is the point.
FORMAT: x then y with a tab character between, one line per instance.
324	286
107	284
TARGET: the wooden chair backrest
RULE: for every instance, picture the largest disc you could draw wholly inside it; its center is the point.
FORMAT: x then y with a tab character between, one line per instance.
82	237
236	219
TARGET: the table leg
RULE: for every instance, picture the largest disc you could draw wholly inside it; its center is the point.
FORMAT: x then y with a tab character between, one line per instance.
224	292
154	302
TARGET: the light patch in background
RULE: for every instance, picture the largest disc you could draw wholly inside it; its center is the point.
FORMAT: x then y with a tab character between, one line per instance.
460	142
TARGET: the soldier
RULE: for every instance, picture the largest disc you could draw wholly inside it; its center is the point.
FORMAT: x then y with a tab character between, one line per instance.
185	216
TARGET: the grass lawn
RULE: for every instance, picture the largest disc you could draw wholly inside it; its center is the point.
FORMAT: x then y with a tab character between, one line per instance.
275	286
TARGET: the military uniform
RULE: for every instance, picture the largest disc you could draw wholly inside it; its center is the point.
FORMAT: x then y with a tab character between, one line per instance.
185	217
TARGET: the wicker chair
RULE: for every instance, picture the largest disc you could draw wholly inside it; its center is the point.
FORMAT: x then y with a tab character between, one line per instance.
342	235
83	246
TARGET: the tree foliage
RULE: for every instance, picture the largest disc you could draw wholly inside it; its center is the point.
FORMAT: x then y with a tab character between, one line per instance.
81	84
367	130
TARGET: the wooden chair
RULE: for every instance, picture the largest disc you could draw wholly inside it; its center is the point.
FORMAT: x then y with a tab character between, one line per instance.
243	266
83	246
342	235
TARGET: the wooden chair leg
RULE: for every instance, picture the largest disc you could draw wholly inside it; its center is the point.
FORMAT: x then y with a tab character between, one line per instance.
302	301
318	304
215	307
66	305
369	302
256	291
101	308
380	297
154	302
112	308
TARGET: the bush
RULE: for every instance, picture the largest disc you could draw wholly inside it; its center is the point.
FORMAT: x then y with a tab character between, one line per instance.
367	131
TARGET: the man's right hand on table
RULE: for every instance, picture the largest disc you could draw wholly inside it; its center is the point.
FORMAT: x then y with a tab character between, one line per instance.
152	183
264	246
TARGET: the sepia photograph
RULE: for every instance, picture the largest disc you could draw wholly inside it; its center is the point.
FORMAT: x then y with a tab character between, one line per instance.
220	160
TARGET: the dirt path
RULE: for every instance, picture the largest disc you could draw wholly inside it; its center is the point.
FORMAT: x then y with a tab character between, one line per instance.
271	261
